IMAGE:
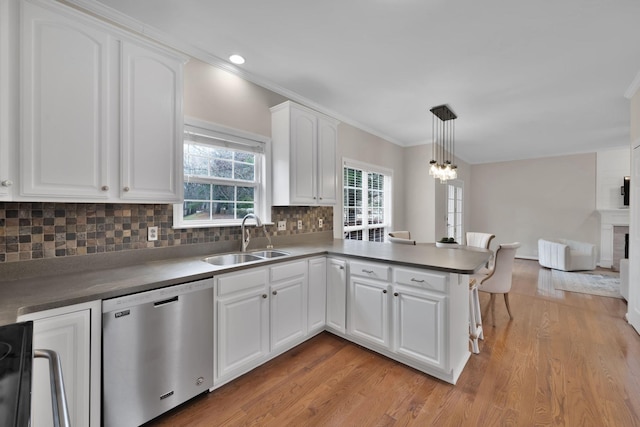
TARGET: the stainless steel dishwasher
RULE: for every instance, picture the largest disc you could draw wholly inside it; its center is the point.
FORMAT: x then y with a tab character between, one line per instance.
157	351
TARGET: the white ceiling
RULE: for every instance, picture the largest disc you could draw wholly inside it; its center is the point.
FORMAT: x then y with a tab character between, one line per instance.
526	78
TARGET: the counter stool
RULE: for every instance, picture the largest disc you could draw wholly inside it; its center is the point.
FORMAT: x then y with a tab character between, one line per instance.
475	319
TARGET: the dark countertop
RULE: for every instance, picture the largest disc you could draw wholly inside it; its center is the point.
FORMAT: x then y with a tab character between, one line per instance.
47	291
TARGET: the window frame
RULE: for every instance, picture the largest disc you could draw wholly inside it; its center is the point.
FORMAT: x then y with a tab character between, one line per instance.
367	168
213	134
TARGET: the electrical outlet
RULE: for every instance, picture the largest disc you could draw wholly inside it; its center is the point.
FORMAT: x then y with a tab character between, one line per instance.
299	224
152	234
320	223
282	225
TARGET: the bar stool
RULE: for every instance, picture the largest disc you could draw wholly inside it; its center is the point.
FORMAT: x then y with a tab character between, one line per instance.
475	319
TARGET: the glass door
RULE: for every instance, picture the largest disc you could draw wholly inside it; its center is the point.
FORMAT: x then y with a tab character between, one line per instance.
454	210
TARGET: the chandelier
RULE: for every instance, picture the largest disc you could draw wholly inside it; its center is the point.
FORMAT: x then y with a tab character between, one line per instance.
442	147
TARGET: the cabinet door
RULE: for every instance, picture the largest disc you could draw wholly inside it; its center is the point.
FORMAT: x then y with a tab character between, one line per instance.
419	326
327	165
69	336
151	126
337	294
242	332
369	310
288	313
317	297
304	142
64	106
8	116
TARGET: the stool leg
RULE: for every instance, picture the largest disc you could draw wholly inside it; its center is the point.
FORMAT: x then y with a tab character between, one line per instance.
475	322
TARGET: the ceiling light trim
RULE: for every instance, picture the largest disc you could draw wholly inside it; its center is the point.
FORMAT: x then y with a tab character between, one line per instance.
104	12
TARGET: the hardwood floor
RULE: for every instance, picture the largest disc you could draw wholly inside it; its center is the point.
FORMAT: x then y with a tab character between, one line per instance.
566	359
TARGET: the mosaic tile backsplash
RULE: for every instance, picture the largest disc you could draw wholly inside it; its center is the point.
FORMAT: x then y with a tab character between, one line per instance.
48	230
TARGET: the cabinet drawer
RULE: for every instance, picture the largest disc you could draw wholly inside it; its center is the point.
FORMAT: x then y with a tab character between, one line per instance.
288	270
367	269
427	280
241	281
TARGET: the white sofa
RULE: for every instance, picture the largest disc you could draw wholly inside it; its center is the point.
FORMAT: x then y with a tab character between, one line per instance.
567	255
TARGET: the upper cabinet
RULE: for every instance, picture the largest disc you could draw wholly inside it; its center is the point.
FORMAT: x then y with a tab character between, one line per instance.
304	144
100	111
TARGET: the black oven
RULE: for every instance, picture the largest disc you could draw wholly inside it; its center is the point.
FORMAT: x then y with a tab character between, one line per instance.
16	361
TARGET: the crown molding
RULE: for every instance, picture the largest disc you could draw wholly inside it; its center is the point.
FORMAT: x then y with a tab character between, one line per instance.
107	13
633	88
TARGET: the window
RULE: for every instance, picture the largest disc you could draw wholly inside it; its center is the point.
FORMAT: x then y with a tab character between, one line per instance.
224	176
367	202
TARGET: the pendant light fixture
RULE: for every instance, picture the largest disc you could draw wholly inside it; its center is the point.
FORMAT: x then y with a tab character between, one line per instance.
443	144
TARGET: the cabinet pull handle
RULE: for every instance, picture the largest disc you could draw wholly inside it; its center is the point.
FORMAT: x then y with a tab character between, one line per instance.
275	292
125	189
105	188
384	291
341	267
367	271
395	294
416	280
7	183
58	395
264	295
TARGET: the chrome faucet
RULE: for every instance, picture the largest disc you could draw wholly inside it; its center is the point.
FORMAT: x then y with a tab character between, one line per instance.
246	237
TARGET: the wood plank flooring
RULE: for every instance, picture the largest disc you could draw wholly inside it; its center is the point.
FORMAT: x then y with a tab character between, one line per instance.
566	359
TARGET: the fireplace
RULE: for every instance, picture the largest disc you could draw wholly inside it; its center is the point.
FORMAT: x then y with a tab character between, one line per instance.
614	225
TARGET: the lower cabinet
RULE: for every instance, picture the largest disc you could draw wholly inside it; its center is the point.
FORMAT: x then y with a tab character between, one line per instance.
74	333
337	295
241	323
317	295
258	314
403	313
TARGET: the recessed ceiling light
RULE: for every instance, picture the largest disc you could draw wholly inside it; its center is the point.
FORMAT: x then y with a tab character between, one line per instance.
236	59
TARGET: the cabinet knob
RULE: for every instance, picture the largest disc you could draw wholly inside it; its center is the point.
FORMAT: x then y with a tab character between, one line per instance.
125	189
264	295
384	291
105	188
341	267
7	183
275	292
395	294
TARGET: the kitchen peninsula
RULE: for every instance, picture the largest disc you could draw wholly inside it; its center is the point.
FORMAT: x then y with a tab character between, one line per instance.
409	303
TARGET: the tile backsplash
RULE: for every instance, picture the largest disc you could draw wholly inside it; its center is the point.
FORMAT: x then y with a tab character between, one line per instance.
49	230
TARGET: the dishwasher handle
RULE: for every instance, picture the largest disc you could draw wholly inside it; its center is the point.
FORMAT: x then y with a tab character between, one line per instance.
166	301
58	396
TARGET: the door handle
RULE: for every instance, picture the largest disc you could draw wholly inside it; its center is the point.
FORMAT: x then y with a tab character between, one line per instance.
58	396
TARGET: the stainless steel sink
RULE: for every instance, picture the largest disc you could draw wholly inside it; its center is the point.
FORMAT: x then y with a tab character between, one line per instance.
231	259
270	253
241	258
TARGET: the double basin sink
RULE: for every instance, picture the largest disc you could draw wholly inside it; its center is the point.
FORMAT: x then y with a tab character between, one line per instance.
244	257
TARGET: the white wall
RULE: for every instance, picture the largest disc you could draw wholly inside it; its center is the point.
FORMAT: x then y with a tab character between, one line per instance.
528	199
220	97
612	166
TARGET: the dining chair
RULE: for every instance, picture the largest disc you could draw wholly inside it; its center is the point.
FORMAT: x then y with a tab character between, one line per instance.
480	240
499	278
403	237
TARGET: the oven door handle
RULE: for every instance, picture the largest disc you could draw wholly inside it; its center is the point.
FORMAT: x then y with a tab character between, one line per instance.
58	396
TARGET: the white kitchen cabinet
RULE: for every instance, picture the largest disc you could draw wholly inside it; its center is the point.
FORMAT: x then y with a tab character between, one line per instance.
337	295
419	325
74	333
304	144
9	91
65	105
633	308
317	295
368	303
241	328
288	300
100	111
151	163
258	314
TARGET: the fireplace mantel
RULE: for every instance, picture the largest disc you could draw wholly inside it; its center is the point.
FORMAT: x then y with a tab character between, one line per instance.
610	218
